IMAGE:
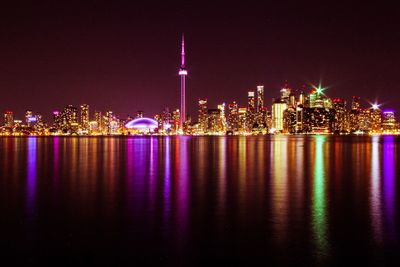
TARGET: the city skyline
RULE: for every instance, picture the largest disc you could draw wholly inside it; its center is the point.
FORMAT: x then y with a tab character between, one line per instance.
115	61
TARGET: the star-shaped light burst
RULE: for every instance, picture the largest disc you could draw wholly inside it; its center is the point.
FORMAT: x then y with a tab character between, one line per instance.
319	89
375	106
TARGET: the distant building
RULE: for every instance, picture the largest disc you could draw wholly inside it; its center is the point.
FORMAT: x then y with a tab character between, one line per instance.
202	116
278	108
85	117
9	119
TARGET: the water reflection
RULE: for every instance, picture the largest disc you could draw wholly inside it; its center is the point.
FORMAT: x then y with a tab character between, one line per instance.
31	177
204	197
319	216
389	186
376	207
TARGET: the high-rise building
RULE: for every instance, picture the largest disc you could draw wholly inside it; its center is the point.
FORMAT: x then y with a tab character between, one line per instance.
222	117
355	103
260	98
202	118
99	121
28	117
339	124
8	119
233	117
85	117
388	121
251	110
183	73
278	108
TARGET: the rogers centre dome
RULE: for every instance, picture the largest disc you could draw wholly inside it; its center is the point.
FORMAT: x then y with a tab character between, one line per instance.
142	124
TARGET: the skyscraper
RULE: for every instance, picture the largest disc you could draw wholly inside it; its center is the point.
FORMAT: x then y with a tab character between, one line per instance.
203	115
278	108
260	98
183	73
8	119
85	117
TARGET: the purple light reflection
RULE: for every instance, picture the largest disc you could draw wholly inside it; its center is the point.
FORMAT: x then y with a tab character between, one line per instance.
389	186
31	178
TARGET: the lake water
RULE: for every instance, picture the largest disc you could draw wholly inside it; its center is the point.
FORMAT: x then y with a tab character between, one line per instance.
268	200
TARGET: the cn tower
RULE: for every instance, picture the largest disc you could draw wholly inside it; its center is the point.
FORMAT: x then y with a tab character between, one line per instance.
183	73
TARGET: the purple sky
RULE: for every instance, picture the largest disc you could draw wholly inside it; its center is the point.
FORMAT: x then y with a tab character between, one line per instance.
125	56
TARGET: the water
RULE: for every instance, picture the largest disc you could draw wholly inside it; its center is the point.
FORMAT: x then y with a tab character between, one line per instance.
275	200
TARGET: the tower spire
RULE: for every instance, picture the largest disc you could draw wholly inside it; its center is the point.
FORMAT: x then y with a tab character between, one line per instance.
183	52
183	73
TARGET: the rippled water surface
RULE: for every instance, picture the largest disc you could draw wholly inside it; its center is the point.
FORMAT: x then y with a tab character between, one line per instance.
275	200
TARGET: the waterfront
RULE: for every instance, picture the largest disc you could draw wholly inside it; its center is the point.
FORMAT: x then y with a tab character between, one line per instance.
279	200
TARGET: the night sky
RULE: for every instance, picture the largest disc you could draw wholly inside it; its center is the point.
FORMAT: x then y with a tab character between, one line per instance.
125	56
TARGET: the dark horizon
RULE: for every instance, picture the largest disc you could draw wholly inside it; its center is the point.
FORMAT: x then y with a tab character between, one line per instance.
125	56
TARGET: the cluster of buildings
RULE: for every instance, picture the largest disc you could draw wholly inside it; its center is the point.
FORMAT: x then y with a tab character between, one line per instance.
293	112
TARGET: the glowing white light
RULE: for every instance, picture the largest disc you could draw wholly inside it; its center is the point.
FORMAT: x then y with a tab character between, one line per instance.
182	72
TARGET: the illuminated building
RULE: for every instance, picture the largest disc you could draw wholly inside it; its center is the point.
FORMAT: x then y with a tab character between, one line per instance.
202	118
278	108
289	120
99	121
312	98
214	122
175	121
8	119
354	115
389	121
69	119
183	73
285	93
302	98
318	120
142	125
242	117
233	117
85	117
28	117
375	120
222	117
340	119
355	103
251	110
260	98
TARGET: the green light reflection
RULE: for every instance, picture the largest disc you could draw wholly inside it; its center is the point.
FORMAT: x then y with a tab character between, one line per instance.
319	220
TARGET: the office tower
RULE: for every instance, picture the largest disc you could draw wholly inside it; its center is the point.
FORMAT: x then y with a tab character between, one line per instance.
176	117
289	120
29	118
355	115
260	98
388	121
183	73
285	93
375	120
302	99
85	117
355	103
278	107
251	110
8	119
202	115
214	122
222	116
312	98
242	118
99	120
339	124
233	116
